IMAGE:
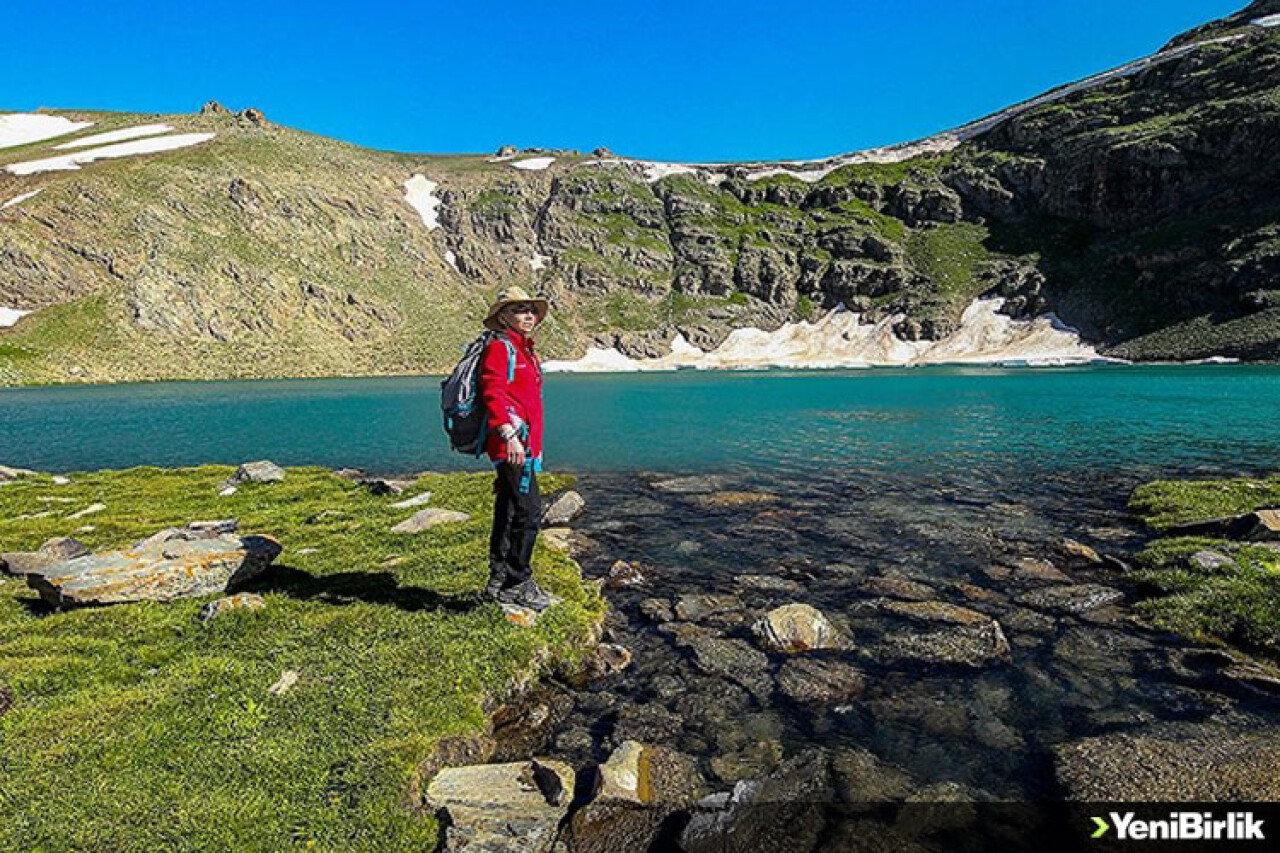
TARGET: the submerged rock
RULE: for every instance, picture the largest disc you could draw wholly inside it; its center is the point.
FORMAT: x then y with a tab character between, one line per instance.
898	588
698	485
818	680
935	611
691	608
1175	762
1076	598
962	645
176	563
496	808
1079	551
623	575
732	659
782	813
425	519
796	628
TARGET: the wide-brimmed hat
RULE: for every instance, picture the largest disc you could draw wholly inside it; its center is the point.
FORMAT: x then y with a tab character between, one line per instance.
508	296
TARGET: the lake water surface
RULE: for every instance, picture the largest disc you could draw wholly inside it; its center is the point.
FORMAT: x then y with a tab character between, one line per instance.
874	486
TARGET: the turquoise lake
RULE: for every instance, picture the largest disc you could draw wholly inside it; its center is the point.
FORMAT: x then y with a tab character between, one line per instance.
1160	418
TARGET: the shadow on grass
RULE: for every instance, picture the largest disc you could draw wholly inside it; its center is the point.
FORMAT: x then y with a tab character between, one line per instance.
347	587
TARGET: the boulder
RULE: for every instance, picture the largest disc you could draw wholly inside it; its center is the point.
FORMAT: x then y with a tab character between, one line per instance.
353	474
1073	598
818	680
796	628
240	601
564	508
416	500
180	564
425	519
1203	761
261	471
496	808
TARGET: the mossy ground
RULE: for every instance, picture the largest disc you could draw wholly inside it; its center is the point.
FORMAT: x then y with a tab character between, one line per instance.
1237	603
136	727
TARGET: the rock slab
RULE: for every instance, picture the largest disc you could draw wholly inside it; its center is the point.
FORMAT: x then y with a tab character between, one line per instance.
178	563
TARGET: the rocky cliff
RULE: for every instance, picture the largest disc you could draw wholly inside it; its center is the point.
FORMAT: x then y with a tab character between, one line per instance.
1138	205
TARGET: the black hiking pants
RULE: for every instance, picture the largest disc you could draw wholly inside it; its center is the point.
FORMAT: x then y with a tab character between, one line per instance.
517	509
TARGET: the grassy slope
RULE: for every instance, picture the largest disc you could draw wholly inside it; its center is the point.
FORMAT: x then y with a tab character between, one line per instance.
326	213
136	727
1237	603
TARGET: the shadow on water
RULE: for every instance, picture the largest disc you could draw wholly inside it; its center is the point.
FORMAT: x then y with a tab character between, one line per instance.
381	588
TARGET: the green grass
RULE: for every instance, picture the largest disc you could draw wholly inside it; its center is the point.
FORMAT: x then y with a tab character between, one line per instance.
1166	502
1238	603
135	727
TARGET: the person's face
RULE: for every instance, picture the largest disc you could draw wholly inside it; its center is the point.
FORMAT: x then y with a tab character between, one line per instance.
520	316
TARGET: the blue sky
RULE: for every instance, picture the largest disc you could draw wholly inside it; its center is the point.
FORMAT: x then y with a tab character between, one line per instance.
664	80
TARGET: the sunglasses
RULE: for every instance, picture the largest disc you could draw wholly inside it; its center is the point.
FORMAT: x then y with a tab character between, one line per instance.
521	309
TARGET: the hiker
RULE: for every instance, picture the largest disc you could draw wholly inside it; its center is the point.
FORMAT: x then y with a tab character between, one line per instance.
511	392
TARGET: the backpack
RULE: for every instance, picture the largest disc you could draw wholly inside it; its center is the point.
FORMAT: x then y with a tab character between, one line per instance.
465	418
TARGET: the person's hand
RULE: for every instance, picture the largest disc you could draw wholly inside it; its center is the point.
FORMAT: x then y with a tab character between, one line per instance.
515	451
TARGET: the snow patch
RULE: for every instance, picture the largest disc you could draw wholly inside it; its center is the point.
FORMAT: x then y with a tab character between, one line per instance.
21	198
538	261
420	193
116	136
841	339
451	259
69	162
654	172
21	128
1267	21
533	164
9	316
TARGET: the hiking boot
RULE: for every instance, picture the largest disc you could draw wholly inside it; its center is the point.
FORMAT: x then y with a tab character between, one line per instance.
527	594
497	580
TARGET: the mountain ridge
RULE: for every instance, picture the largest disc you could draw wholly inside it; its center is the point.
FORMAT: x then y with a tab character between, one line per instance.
1136	207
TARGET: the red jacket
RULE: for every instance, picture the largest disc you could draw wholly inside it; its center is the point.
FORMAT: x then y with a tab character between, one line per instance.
517	402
